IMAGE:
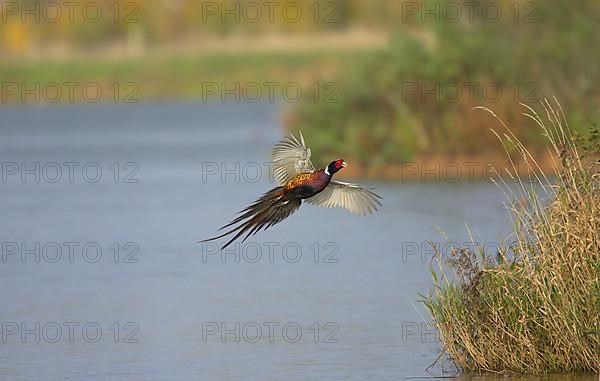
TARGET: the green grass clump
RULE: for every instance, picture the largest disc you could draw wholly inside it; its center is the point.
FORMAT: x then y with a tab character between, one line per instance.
535	308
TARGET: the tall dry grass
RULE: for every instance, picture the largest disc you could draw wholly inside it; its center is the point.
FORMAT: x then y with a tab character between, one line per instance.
536	307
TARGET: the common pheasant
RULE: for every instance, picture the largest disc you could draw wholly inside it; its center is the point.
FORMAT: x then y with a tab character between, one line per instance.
299	180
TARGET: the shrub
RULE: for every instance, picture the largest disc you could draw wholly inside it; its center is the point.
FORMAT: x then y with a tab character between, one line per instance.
535	308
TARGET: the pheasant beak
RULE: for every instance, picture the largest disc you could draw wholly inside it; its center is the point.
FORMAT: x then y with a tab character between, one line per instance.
344	164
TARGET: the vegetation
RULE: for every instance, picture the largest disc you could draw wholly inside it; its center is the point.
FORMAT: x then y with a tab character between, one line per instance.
536	307
32	28
172	77
408	100
413	99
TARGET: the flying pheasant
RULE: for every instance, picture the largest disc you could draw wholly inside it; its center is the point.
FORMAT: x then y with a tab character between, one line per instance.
299	181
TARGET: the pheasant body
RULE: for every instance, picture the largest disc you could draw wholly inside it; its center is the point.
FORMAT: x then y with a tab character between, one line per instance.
305	185
299	181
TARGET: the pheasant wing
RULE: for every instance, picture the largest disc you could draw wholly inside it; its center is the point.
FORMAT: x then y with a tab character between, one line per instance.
291	157
356	199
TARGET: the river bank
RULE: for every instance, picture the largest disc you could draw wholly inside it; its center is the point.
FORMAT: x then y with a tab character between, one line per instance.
532	306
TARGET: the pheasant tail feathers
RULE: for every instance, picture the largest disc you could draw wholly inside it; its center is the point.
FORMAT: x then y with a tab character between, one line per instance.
272	208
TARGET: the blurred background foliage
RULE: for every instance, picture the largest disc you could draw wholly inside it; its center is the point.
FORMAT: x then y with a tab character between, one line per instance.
63	28
397	65
400	103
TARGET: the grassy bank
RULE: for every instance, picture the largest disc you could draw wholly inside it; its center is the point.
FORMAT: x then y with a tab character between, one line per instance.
414	99
535	308
176	77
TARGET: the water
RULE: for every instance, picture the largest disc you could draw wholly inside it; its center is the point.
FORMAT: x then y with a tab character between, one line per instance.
358	314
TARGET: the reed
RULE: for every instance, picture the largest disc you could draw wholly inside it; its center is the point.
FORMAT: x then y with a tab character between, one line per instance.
535	308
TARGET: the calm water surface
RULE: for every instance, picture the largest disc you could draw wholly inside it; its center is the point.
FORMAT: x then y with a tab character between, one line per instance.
340	292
